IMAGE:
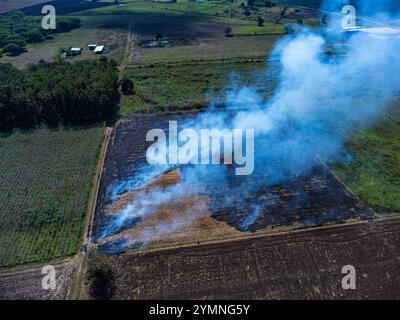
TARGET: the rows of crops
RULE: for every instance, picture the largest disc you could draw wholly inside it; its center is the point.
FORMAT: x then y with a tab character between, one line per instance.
45	181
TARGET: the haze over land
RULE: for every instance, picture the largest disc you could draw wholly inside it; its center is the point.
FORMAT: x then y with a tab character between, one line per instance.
76	190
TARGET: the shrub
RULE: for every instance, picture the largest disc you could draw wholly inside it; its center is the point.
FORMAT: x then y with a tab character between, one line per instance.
13	49
126	86
100	279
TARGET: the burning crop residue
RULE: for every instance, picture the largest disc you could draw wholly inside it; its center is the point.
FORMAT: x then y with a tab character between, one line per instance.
318	102
170	210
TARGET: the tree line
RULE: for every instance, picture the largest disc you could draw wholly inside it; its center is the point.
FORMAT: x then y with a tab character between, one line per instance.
58	94
17	30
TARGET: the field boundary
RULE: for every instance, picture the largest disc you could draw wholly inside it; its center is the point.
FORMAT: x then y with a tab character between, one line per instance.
24	268
77	286
388	218
200	62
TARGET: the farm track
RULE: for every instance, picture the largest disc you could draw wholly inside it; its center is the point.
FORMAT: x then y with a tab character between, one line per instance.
77	292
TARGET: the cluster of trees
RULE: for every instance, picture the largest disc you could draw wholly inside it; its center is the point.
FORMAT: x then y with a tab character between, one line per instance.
270	4
55	94
17	30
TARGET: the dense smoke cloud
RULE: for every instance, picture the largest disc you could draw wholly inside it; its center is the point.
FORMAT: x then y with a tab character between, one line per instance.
319	100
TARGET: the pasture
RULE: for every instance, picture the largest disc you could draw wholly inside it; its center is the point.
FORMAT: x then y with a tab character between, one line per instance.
190	85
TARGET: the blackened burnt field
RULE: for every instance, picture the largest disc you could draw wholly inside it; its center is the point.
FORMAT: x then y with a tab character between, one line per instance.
309	199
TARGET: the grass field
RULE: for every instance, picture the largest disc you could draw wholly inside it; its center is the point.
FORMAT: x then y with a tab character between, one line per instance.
374	174
45	183
186	85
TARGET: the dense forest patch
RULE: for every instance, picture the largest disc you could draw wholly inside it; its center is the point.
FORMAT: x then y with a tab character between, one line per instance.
56	94
18	30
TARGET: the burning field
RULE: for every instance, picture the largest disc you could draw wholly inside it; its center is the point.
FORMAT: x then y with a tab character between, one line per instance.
166	218
210	211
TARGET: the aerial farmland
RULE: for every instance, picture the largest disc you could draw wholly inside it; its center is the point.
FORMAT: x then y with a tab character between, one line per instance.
101	184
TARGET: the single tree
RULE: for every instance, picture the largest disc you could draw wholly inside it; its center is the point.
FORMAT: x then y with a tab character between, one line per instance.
159	36
126	86
228	31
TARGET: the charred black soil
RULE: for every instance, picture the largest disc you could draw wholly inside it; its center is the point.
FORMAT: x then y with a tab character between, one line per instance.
312	198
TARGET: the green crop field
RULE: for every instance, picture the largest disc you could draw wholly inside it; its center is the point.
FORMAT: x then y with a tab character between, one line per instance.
45	181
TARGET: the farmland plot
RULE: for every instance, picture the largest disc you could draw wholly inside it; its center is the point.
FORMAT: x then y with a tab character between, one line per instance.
209	48
186	86
45	182
296	265
221	208
26	283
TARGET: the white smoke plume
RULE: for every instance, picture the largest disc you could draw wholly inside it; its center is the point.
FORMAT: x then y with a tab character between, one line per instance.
319	100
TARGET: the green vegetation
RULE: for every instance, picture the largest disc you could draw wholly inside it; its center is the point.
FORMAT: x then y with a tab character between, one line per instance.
109	24
374	173
185	85
58	94
305	3
18	30
173	8
113	38
252	28
45	181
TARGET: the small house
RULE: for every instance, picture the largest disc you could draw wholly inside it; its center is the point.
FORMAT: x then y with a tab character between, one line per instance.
99	50
75	51
92	47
